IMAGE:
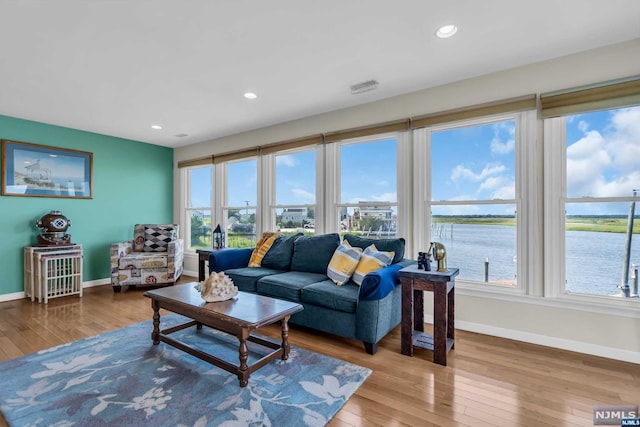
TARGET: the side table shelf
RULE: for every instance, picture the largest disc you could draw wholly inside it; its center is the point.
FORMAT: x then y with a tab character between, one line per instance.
442	285
52	271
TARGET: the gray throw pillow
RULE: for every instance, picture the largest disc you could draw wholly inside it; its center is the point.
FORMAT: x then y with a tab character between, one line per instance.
385	245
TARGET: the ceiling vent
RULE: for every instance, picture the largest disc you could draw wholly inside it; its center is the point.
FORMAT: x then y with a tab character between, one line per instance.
181	135
364	87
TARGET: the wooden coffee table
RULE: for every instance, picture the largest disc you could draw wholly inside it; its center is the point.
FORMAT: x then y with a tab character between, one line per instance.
239	316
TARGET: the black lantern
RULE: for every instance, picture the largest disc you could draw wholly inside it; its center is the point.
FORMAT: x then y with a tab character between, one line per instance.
218	238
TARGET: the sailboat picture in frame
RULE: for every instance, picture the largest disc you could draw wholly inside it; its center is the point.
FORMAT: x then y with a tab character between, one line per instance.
33	170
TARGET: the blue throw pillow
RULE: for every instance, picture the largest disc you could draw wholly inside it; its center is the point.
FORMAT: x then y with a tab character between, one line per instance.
279	255
313	253
386	245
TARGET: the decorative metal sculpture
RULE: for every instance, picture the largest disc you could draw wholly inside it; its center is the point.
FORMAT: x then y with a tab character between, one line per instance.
440	255
53	227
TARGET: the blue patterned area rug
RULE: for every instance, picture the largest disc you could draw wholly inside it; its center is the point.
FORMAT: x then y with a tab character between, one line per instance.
120	379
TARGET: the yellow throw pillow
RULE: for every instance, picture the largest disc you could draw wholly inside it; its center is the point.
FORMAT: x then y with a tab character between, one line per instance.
343	263
371	260
262	247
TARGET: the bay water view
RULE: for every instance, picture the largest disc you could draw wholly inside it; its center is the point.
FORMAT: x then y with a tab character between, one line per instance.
594	259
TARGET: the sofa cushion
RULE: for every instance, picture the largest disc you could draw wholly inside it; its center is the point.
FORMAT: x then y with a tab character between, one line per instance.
262	247
387	245
371	260
313	253
343	263
279	256
287	285
246	278
327	294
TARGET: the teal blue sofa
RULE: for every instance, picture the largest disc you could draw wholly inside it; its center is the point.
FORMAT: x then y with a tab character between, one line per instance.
295	268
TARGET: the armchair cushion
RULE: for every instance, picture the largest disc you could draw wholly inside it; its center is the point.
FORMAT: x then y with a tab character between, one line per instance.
139	234
157	238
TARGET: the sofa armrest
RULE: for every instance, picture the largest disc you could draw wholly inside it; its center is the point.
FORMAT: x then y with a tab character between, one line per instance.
378	284
229	258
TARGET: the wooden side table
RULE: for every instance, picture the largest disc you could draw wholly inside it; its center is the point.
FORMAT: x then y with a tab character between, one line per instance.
414	283
203	255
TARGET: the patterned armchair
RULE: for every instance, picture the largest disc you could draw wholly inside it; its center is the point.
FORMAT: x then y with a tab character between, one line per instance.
153	257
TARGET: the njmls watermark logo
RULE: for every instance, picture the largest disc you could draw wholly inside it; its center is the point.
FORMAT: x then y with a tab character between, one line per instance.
616	415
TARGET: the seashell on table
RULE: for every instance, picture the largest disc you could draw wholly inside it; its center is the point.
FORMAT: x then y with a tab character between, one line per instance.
217	287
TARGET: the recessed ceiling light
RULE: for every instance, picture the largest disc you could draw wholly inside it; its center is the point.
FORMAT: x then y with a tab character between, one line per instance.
446	31
156	127
250	95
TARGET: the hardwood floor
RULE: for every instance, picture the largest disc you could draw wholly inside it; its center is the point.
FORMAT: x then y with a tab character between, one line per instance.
489	381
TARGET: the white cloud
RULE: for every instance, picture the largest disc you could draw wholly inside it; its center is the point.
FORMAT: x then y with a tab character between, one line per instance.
385	197
304	196
383	183
583	126
500	187
503	141
505	192
461	172
500	147
605	162
286	160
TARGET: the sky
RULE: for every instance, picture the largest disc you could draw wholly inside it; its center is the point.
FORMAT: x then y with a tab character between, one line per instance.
470	163
603	153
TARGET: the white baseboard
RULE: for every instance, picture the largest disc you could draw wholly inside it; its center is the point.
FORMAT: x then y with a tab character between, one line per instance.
13	296
561	343
98	282
190	273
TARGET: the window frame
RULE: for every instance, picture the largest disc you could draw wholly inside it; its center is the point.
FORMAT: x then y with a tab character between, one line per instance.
555	199
527	213
269	185
186	209
333	179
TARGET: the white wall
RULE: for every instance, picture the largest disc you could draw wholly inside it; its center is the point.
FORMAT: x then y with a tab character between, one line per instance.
524	318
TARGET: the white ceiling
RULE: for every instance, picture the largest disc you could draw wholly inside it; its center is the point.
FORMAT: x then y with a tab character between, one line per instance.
118	66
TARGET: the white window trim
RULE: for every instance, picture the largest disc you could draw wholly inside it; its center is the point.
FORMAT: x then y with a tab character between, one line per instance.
269	186
184	216
555	171
333	165
525	201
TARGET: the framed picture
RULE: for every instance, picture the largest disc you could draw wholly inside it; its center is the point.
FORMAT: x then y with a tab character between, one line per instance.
33	170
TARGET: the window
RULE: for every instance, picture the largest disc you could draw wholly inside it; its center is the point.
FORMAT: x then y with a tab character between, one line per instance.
473	201
198	207
239	210
295	191
599	168
368	188
475	192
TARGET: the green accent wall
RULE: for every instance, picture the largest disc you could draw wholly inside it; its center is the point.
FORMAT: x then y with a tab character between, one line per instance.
132	183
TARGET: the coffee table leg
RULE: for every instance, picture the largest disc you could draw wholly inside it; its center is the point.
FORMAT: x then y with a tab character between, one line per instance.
243	374
285	338
155	335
